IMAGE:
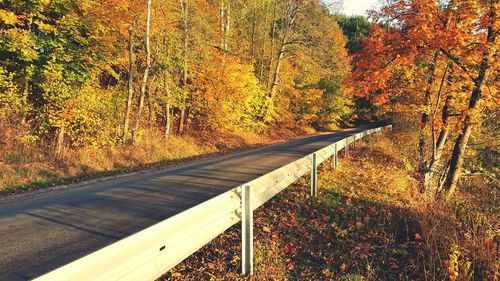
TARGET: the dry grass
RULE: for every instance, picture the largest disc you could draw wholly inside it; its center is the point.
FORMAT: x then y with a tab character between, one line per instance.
25	167
73	165
461	236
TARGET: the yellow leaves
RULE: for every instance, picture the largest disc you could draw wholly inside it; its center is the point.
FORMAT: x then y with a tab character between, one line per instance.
45	27
8	17
228	95
176	274
453	263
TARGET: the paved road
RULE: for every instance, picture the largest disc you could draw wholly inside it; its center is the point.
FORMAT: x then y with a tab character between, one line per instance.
42	232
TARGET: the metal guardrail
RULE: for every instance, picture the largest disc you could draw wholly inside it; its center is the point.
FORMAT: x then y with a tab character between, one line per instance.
153	251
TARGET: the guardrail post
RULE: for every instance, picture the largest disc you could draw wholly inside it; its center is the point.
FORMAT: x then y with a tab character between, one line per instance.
335	156
354	142
314	176
346	149
246	231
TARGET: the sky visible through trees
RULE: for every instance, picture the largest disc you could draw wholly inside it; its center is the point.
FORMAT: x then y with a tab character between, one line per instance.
359	7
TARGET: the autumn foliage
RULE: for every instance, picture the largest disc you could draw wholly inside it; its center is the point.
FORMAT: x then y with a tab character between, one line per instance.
73	71
85	75
91	88
434	63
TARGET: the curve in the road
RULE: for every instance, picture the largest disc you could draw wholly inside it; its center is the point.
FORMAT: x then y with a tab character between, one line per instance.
45	231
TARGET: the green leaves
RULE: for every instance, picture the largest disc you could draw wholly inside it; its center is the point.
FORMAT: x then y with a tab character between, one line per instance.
355	28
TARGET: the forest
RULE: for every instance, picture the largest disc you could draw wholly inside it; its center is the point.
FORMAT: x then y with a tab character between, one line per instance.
91	88
79	74
83	75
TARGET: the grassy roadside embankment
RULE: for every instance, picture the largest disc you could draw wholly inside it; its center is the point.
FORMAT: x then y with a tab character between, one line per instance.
27	168
369	222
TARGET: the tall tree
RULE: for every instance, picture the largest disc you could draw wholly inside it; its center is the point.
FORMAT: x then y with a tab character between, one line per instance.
407	55
130	82
146	71
355	28
488	57
291	11
185	46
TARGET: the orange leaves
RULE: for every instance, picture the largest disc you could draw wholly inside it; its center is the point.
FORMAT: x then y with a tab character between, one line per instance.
418	236
419	40
383	52
8	17
326	272
342	267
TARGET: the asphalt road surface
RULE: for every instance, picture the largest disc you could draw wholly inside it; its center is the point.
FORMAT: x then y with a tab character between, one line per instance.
41	232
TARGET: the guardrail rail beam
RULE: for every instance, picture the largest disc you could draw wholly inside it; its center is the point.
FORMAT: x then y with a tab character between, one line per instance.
148	254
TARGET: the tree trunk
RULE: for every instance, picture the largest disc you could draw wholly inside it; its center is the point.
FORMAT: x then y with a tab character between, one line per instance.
254	24
428	116
422	139
277	69
59	141
187	123
221	23
457	157
440	144
146	72
167	109
291	12
151	103
271	50
434	111
130	83
167	121
227	27
184	9
264	45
